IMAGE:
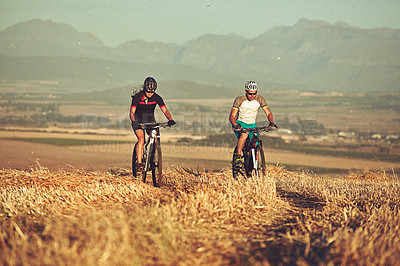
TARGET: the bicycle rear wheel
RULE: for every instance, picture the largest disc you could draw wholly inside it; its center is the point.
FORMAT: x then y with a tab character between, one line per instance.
156	168
134	160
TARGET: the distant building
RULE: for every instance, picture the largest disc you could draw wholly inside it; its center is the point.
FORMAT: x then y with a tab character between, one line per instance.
392	138
284	131
376	136
343	134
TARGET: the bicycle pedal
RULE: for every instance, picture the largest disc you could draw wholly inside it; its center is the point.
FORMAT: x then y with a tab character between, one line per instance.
139	168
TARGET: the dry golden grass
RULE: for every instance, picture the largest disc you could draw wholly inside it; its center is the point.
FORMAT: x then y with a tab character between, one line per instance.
108	218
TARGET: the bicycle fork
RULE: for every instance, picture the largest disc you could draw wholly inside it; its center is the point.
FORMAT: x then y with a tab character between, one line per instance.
149	148
255	161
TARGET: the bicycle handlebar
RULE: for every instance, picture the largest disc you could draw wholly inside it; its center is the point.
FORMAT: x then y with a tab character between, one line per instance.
265	128
153	125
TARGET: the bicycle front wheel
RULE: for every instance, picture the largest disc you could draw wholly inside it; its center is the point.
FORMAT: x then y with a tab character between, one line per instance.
134	160
146	160
257	167
156	170
261	159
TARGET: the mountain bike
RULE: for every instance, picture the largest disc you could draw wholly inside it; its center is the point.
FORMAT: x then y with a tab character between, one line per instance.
152	156
253	155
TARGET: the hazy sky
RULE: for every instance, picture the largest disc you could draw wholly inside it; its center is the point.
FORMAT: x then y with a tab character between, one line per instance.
177	21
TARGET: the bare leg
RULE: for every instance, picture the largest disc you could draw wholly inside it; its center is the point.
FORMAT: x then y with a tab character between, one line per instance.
241	142
139	147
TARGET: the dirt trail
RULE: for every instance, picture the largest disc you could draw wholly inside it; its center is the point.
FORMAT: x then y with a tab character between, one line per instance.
22	154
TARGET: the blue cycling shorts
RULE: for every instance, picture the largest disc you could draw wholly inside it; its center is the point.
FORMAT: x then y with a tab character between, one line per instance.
244	125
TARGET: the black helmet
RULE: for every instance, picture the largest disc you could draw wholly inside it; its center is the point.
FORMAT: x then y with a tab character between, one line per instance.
150	85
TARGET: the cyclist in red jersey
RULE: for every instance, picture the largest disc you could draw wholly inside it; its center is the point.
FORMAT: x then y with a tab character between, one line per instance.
142	111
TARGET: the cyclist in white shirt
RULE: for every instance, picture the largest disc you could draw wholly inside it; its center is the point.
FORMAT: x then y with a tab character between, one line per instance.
244	113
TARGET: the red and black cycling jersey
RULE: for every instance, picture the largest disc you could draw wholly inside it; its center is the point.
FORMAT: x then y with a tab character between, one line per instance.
145	106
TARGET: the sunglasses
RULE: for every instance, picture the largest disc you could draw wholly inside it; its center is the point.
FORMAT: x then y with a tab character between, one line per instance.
252	93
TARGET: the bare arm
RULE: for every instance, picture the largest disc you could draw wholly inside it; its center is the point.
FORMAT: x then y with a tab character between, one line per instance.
269	114
232	116
132	113
166	112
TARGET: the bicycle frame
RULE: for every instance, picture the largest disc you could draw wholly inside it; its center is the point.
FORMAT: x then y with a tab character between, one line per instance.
148	147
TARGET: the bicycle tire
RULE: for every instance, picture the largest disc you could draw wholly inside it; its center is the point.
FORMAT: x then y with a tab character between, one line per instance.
261	159
248	165
156	168
134	160
144	176
234	169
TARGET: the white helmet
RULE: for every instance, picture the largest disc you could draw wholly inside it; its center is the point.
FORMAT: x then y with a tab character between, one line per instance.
251	86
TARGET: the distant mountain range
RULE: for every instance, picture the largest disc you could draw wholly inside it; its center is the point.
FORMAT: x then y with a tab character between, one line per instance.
311	55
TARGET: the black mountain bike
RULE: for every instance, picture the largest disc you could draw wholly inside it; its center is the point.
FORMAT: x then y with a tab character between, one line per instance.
152	157
253	154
